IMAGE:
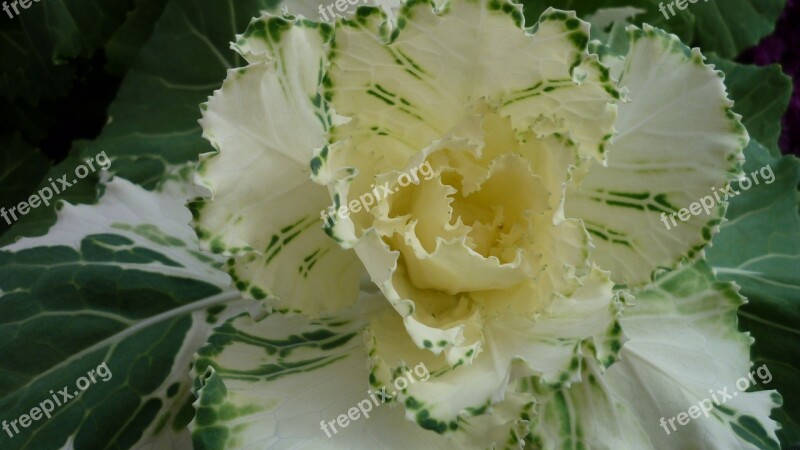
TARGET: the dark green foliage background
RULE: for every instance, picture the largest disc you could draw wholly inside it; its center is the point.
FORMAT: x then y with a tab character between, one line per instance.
78	77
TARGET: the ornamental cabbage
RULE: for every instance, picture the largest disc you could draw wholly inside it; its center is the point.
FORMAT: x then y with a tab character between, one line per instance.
525	270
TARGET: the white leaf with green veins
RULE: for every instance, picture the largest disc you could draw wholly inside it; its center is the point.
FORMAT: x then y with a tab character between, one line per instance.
269	384
265	121
120	282
677	139
684	348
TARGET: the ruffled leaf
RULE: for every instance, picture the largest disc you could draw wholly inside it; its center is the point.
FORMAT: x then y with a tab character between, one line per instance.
684	351
404	88
272	383
549	348
677	140
274	238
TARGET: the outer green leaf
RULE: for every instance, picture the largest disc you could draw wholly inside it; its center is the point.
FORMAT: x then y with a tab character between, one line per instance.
33	122
26	64
42	37
724	27
759	248
120	282
154	118
40	219
759	245
761	95
683	343
22	167
123	47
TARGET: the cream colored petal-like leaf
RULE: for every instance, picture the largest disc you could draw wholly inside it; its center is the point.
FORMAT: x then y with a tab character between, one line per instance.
264	211
550	348
684	354
678	141
467	403
402	86
292	383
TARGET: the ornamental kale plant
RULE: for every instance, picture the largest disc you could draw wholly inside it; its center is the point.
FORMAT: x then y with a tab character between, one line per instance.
426	225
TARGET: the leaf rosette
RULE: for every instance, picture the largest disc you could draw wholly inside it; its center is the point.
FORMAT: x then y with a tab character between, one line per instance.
504	188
